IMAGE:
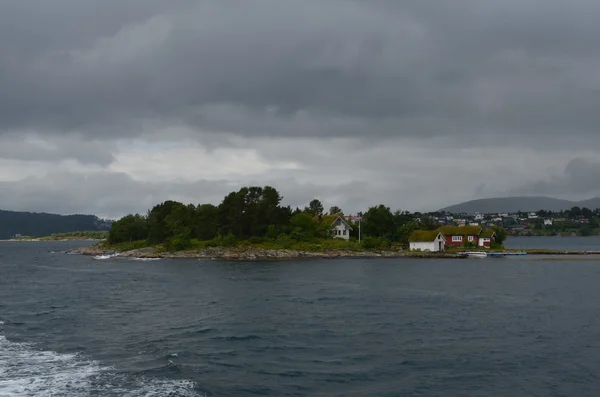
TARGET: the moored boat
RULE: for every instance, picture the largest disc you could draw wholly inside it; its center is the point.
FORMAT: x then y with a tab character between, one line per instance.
476	254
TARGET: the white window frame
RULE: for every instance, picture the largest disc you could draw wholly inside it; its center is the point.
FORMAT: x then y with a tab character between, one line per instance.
470	238
457	239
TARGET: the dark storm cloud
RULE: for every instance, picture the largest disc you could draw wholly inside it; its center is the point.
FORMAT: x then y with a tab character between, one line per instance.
302	68
581	177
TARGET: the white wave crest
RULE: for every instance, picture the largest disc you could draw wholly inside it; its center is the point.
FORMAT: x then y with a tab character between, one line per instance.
146	259
25	371
102	257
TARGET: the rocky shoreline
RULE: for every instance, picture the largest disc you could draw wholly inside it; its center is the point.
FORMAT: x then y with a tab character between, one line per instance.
253	253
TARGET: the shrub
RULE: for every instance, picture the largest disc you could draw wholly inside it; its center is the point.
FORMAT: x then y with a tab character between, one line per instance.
285	241
228	240
256	240
371	243
179	243
272	232
496	245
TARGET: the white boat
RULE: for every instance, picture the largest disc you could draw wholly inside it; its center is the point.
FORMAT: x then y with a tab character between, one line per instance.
476	254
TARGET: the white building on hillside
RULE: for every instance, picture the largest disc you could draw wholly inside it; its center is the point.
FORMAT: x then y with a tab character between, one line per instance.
341	228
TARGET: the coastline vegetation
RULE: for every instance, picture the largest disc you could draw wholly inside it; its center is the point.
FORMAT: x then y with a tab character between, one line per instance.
81	235
254	217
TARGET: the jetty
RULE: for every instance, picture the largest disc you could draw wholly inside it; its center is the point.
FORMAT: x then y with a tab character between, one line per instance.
504	254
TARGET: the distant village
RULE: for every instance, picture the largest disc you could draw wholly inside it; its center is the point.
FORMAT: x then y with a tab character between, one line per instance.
481	230
478	230
574	222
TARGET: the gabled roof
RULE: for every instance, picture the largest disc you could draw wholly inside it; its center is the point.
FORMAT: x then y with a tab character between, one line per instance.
488	233
460	230
424	236
329	220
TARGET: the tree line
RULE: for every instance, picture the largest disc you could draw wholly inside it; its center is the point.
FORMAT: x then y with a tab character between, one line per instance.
254	214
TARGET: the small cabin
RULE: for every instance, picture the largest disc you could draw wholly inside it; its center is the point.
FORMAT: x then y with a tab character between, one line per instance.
486	238
427	240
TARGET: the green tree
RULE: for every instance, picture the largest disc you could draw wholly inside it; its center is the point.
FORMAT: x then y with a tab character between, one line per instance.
586	212
315	207
303	226
404	231
501	234
161	225
129	228
575	211
206	222
335	210
250	211
379	222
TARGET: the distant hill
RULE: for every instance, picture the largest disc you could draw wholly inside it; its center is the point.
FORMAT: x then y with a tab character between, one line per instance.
525	204
41	224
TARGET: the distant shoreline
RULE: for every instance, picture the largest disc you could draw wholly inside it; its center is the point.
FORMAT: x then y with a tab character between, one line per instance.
40	239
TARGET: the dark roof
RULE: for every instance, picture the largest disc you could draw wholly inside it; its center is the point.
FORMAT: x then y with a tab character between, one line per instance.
460	230
423	236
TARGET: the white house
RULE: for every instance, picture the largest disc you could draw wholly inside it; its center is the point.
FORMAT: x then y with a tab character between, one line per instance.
548	222
341	228
486	238
427	240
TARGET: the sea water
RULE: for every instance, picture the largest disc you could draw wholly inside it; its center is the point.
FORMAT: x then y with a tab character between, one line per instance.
74	326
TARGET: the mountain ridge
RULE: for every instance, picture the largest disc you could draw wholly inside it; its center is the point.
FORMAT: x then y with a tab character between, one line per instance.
520	203
40	224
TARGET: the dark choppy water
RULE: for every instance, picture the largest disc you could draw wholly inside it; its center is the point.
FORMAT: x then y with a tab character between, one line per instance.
590	243
74	326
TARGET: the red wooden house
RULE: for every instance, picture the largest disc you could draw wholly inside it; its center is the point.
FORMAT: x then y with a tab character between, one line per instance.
458	236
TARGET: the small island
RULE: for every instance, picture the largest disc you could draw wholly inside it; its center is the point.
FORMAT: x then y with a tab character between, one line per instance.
252	224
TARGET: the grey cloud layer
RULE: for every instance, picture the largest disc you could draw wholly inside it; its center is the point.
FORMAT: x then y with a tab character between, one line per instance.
581	178
55	149
336	68
420	79
113	194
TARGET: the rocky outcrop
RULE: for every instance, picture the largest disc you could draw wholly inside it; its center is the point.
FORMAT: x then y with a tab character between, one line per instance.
236	253
254	253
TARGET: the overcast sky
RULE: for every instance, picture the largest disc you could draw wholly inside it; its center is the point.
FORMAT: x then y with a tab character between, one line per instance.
111	106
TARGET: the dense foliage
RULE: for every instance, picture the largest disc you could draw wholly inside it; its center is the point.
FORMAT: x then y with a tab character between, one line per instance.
13	224
255	214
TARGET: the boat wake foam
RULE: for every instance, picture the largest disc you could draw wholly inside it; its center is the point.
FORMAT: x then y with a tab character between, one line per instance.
26	371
